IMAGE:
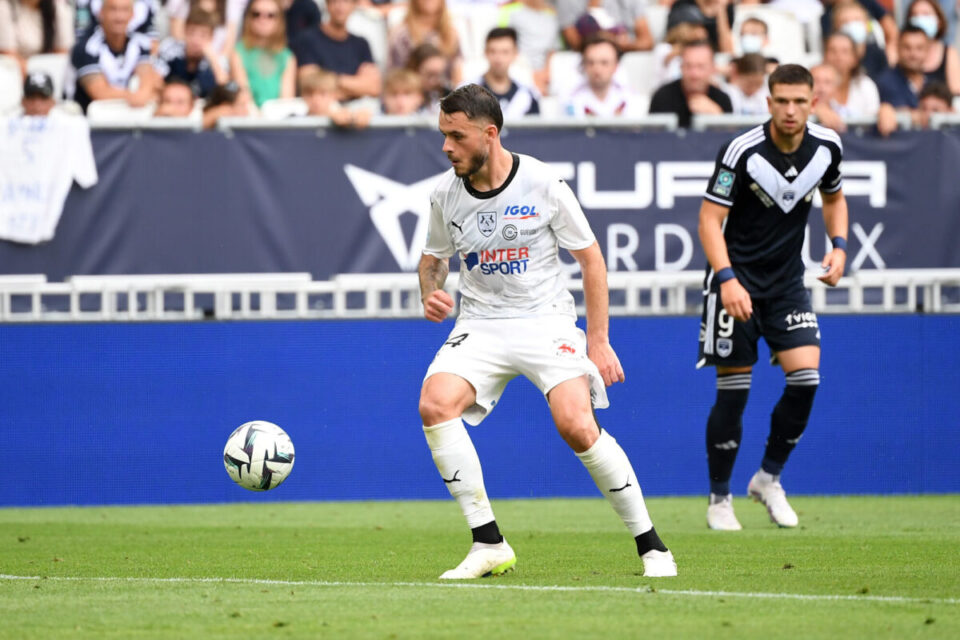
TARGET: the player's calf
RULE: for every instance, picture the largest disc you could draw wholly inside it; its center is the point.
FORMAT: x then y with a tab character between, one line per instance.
789	418
725	429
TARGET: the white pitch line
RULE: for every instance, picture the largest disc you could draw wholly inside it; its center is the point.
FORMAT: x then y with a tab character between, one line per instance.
505	587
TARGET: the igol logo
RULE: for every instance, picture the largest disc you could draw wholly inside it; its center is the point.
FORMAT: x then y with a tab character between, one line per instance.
518	212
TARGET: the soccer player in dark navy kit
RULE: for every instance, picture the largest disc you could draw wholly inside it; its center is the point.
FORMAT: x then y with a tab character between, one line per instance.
752	224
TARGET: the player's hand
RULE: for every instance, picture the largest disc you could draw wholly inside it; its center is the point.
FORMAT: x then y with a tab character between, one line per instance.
736	300
437	306
833	264
603	355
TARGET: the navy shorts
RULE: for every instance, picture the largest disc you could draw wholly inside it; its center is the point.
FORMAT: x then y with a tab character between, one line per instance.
784	322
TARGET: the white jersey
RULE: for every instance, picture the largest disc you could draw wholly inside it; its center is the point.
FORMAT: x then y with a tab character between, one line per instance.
508	240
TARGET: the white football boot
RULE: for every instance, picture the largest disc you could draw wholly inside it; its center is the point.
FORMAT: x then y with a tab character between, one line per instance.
767	489
658	564
483	561
720	516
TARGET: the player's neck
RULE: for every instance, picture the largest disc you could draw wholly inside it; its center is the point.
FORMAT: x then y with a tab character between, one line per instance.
786	143
494	172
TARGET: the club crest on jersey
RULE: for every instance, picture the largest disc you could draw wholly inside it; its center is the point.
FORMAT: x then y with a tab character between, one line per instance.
724	347
521	212
487	222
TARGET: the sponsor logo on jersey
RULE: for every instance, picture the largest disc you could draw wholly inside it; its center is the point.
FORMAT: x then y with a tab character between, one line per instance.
498	261
509	232
564	347
802	320
521	212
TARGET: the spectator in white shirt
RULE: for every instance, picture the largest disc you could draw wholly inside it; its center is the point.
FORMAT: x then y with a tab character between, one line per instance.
748	87
857	95
826	80
600	95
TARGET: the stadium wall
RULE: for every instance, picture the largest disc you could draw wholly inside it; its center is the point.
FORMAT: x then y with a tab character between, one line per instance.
139	413
330	202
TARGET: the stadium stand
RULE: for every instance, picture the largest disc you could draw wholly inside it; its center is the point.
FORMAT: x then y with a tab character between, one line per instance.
11	88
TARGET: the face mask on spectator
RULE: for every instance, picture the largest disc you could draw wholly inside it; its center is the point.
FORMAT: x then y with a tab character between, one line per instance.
856	30
929	24
751	43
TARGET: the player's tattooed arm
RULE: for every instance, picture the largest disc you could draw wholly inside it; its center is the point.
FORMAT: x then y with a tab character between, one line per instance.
596	298
437	303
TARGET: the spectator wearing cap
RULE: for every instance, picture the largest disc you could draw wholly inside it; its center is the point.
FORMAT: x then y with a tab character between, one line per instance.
332	48
109	58
666	54
194	59
943	61
37	94
29	27
538	29
601	95
402	93
693	92
856	95
176	99
715	15
501	51
838	13
900	86
624	21
748	88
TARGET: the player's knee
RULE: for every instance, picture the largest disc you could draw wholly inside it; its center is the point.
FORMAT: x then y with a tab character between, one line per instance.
435	409
578	427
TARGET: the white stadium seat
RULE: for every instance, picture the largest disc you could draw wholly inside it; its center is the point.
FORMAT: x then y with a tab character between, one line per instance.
11	85
784	31
371	25
283	108
564	72
657	19
639	70
481	18
118	112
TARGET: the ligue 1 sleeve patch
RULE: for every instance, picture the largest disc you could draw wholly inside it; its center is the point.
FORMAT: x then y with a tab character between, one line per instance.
723	183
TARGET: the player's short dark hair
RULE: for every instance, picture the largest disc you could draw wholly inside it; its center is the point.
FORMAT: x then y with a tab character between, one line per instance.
750	63
790	74
937	90
475	102
502	32
912	29
597	38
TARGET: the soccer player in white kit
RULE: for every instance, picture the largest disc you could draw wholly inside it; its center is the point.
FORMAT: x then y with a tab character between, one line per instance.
506	215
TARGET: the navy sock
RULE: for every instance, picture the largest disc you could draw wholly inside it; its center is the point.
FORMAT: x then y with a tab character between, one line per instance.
725	428
789	418
487	533
649	540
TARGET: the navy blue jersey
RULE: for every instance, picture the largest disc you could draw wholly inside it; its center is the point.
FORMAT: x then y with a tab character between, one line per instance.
769	194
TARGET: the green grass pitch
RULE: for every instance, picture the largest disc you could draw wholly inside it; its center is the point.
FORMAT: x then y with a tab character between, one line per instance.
857	567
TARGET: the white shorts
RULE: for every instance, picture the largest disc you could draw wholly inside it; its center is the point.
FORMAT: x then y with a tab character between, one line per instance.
489	353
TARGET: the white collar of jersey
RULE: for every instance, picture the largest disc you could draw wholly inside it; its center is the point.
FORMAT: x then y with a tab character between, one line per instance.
785	193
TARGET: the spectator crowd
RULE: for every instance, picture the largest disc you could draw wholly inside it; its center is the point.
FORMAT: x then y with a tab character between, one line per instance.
351	60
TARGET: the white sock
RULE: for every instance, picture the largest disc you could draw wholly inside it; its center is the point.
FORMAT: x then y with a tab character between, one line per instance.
459	466
611	470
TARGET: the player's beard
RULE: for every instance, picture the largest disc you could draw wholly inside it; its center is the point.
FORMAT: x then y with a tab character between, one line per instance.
477	161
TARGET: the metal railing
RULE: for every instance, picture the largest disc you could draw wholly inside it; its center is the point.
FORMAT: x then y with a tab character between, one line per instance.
278	296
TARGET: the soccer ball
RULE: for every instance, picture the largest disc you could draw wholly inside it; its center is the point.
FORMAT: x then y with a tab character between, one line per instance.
258	455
